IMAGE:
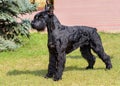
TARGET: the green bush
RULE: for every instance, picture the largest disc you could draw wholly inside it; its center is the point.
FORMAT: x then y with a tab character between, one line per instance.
10	29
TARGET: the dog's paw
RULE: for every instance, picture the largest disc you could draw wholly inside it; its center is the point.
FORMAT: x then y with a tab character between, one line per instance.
109	66
89	67
56	79
48	76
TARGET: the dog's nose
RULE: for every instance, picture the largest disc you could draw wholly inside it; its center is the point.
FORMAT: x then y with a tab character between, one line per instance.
32	23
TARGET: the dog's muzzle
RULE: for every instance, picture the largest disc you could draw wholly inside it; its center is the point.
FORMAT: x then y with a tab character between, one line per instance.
38	25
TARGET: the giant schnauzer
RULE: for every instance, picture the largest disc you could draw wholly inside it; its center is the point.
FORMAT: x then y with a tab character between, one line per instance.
64	39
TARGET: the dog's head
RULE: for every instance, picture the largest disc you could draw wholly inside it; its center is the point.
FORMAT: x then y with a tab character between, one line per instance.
40	19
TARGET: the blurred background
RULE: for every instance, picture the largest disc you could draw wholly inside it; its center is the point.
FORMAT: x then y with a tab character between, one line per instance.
103	14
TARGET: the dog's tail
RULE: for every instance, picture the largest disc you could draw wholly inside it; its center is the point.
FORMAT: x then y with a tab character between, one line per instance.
95	35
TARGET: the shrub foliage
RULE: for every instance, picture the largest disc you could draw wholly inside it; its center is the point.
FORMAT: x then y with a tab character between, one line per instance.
10	29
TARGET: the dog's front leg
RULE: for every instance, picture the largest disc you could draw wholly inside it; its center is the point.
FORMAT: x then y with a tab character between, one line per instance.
52	65
61	59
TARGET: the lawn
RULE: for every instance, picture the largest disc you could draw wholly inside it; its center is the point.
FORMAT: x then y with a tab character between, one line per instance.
27	65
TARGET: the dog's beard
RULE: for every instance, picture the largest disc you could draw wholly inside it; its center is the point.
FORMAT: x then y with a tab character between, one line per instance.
38	25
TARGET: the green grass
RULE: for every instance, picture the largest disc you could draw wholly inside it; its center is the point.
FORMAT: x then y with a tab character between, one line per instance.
27	65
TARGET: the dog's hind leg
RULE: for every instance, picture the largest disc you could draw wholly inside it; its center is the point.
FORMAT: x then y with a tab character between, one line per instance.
86	53
97	47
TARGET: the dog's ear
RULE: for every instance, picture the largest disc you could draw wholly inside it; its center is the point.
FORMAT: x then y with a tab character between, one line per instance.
49	7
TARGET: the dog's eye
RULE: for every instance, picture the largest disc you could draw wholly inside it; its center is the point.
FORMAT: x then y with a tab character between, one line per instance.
41	17
36	17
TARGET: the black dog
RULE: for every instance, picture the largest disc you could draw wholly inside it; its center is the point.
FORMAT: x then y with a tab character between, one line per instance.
64	39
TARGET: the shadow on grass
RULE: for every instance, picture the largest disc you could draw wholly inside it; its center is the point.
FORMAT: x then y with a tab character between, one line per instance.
75	68
74	57
43	72
20	72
